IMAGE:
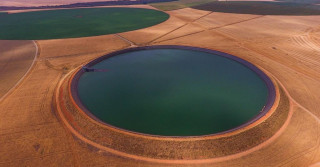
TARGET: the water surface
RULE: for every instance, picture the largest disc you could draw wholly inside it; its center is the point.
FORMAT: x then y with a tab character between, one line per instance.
173	92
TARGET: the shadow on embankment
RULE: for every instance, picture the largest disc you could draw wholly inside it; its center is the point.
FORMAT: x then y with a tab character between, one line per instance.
262	8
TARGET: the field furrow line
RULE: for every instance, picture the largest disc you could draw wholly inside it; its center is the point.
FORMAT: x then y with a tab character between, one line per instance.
305	41
132	44
309	50
236	22
213	28
161	36
180	27
310	43
303	59
303	44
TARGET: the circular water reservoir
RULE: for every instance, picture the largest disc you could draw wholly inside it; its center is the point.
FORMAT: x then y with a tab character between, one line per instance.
173	91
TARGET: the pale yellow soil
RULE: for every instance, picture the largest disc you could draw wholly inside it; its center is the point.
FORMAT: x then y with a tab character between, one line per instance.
286	46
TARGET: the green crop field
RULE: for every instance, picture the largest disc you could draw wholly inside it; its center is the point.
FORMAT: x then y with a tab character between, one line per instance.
179	4
261	8
72	23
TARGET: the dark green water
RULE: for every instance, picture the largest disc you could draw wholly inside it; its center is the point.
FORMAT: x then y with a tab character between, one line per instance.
173	92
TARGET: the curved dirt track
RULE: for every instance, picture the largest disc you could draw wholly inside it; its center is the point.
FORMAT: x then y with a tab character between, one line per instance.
177	150
32	134
71	121
16	60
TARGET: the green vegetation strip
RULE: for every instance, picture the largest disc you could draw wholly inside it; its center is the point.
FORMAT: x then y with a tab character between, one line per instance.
166	6
72	23
261	8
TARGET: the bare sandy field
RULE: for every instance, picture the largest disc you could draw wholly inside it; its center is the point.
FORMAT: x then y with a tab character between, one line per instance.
285	46
30	131
16	58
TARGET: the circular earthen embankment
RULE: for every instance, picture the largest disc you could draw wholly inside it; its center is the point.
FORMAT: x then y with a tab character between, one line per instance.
162	148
